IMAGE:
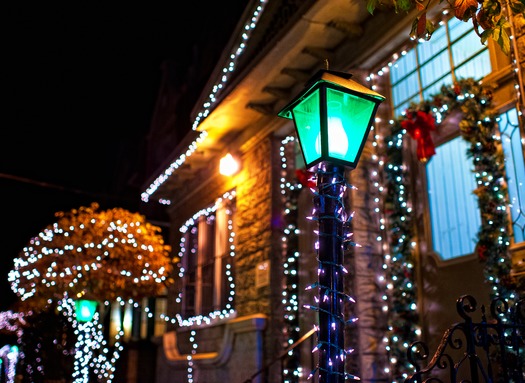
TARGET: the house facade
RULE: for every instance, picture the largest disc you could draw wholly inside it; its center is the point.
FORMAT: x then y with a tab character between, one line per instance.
436	201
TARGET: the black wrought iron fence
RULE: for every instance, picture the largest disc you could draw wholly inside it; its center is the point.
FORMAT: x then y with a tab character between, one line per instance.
490	350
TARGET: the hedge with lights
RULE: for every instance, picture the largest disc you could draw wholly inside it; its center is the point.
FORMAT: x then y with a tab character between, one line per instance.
48	347
105	254
478	126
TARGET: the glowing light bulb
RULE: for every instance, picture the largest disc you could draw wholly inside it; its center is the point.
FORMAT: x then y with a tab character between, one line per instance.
228	165
337	139
86	312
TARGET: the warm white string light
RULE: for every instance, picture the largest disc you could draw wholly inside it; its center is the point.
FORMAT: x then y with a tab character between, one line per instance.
292	371
483	179
228	310
194	347
92	351
206	108
38	268
9	358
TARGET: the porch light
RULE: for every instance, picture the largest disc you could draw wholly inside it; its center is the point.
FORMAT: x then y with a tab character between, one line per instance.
228	165
85	309
332	117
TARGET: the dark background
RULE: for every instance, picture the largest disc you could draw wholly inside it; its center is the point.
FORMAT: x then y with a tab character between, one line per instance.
79	86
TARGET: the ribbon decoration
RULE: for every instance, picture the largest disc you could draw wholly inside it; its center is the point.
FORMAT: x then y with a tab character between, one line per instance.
419	124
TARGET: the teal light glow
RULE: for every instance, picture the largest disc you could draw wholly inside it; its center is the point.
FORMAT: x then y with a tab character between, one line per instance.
333	117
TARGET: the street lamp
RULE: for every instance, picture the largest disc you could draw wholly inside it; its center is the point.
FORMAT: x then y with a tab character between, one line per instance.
332	116
85	309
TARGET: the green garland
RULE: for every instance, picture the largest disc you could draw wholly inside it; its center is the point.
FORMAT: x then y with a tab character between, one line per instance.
401	286
478	127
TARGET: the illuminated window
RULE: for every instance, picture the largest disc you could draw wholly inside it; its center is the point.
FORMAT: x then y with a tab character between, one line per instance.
515	169
420	73
207	262
161	308
453	52
150	316
454	211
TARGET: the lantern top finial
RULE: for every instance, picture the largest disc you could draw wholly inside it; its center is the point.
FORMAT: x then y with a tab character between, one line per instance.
333	79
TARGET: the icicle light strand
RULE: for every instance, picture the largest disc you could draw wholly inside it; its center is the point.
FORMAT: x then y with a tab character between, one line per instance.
290	189
229	309
227	71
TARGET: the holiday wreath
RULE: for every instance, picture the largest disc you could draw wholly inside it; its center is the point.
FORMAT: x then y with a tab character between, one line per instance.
478	126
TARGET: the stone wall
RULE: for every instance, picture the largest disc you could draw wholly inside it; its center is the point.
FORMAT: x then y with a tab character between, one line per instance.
258	230
253	231
257	241
234	356
365	266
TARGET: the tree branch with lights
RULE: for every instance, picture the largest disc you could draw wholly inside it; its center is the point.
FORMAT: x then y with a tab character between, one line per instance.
489	18
106	254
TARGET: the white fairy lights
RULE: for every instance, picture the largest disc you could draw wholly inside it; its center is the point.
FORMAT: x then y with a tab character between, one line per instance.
292	371
206	108
92	350
41	266
9	358
228	310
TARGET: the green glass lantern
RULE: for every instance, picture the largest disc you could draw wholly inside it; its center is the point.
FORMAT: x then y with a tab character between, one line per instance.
85	309
333	116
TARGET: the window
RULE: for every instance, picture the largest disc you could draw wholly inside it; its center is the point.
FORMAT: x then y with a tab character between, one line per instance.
515	168
453	50
206	266
150	318
454	211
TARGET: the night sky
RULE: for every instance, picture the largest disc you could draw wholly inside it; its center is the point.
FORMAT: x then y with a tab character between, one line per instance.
79	85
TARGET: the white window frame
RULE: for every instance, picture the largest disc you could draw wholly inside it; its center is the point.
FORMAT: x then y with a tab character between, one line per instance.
222	300
475	215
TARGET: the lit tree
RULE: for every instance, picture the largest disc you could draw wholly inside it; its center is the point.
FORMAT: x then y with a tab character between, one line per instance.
106	254
491	19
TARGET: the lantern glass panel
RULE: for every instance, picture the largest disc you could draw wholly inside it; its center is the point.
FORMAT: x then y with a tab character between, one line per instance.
306	116
348	121
85	309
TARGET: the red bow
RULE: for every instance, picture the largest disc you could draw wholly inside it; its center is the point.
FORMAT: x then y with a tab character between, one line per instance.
419	125
306	178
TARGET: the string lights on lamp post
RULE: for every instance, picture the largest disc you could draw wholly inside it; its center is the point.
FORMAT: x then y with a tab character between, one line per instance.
332	117
85	310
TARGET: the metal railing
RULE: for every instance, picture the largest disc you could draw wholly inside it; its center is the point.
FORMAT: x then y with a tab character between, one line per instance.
280	358
487	351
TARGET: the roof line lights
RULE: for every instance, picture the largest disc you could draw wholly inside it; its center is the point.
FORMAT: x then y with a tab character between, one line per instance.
227	70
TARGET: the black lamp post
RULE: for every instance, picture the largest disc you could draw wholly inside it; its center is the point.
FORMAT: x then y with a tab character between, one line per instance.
332	116
85	309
